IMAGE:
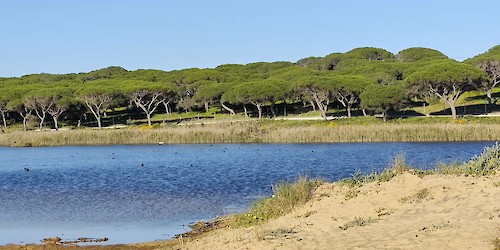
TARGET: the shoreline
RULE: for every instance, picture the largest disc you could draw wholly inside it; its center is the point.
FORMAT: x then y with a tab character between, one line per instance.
256	132
408	211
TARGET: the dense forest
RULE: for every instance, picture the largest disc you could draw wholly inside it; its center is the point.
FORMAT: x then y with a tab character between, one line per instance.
367	80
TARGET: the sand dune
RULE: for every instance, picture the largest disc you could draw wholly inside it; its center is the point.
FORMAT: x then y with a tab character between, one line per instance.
408	212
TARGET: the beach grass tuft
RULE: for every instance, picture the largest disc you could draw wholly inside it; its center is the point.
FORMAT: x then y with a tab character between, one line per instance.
276	233
286	197
358	222
420	196
397	166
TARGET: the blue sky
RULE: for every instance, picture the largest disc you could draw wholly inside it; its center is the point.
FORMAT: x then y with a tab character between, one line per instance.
64	36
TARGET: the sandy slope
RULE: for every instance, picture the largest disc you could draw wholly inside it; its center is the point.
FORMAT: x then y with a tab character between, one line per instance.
408	212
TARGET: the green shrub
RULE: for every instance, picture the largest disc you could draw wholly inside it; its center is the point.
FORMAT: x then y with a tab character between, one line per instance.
484	164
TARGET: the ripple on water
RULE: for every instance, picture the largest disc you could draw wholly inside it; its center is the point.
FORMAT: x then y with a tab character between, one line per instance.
144	193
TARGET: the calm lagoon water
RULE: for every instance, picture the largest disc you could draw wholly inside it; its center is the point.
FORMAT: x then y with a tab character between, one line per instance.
151	192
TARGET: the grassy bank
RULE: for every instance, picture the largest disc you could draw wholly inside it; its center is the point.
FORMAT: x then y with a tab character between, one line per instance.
265	131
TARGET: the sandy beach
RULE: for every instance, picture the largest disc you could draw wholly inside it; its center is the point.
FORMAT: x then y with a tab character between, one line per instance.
407	212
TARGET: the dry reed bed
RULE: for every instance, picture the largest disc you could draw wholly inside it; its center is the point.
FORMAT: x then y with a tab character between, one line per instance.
252	132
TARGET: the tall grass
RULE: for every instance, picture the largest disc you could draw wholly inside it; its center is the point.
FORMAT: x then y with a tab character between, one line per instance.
257	132
397	166
286	197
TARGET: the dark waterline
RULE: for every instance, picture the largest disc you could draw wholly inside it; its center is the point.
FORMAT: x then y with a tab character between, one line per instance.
150	192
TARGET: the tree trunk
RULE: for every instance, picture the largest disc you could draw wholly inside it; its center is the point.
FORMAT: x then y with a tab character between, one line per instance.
364	112
453	110
24	112
384	115
323	112
41	116
245	110
449	99
284	108
98	119
4	120
55	113
206	107
348	107
167	107
149	109
55	122
259	108
148	116
489	93
322	107
96	113
273	111
99	122
313	105
25	123
230	110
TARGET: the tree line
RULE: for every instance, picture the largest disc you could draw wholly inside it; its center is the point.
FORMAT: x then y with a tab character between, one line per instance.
372	80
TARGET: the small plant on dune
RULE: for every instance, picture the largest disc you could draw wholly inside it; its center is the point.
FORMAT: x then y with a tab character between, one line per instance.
383	212
286	197
486	163
277	233
420	196
357	179
397	166
451	168
309	213
357	222
351	194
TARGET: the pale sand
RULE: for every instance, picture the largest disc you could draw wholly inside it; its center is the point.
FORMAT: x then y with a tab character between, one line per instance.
455	213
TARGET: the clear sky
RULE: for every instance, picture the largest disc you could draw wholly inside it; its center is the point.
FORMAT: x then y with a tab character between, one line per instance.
64	36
